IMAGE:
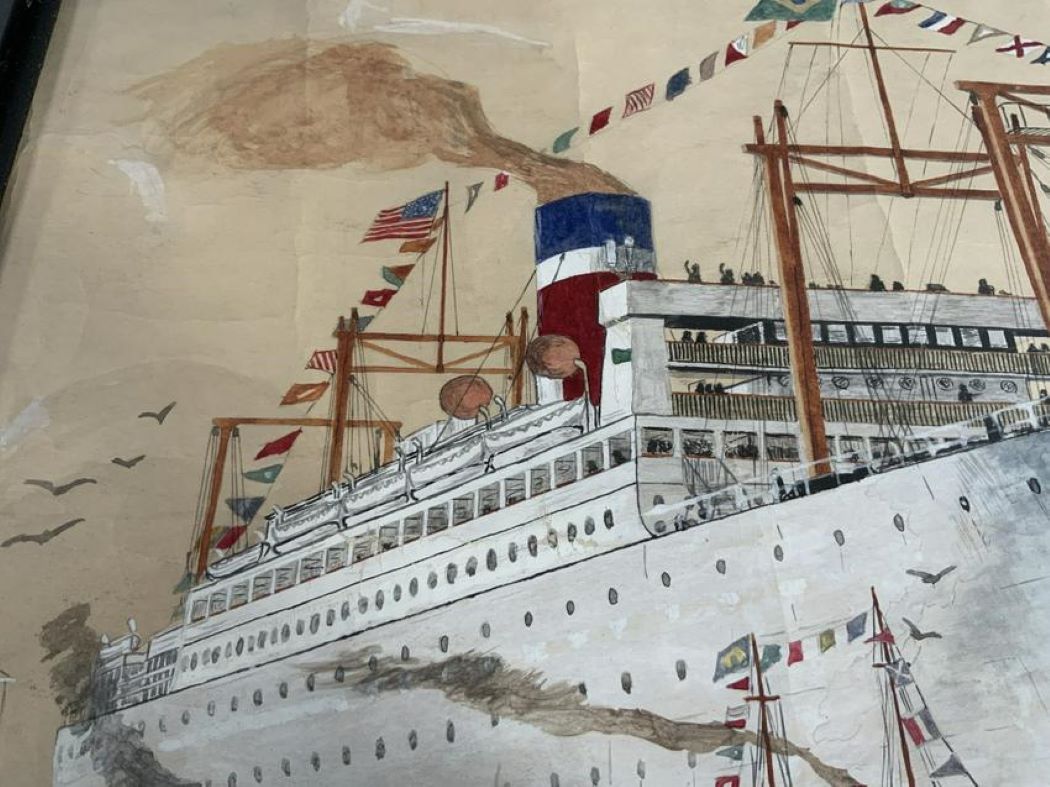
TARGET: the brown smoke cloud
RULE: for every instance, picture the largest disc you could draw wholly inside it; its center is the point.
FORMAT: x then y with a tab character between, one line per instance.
294	104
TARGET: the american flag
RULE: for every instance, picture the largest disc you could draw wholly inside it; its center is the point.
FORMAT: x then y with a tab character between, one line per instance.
325	360
639	100
412	220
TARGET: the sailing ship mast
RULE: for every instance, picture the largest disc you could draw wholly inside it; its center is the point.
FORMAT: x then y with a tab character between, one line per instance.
782	153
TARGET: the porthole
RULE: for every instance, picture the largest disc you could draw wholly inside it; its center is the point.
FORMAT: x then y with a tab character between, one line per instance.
240	646
257	774
1034	485
405	653
229	649
552	539
533	545
283	690
346	755
720	566
570	532
329	617
582	688
300	627
778	553
964	502
512	552
373	664
679	668
340	675
215	655
380	749
432	580
450	573
660	526
570	607
262	638
691	759
185	717
640	769
898	522
286	633
286	767
840	537
379	599
311	681
162	725
413	740
625	682
588	526
413	586
528	619
211	707
397	593
362	605
257	697
443	643
450	731
486	630
494	719
315	761
607	517
595	776
472	567
344	611
233	704
490	560
614	597
193	661
555	781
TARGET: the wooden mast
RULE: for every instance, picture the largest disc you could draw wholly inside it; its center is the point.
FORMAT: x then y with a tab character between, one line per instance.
345	334
763	720
215	484
440	365
888	660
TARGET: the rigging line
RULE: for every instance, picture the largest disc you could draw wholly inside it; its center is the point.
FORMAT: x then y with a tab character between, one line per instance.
818	88
932	86
430	292
455	293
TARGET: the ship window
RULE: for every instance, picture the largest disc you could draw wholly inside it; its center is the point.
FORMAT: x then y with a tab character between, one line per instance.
437	518
565	470
884	448
218	603
462	509
837	333
472	566
971	337
335	558
512	551
593	457
698	443
284	577
488	499
379	599
852	446
364	546
239	595
262	638
514	490
413	526
362	605
199	610
388	536
891	334
657	442
315	622
997	339
490	560
533	545
781	448
779	331
450	573
300	627
286	632
257	697
432	580
944	336
740	445
312	567
917	335
863	334
261	585
540	480
570	532
344	610
619	449
397	592
817	332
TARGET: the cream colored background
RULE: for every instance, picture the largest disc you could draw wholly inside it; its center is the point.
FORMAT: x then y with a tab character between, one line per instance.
104	313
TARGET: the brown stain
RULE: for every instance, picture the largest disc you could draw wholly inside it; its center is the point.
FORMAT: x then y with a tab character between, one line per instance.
72	644
486	684
297	104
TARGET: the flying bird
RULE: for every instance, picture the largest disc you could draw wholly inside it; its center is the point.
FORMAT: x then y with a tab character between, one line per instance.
930	579
917	635
128	463
160	415
41	538
59	489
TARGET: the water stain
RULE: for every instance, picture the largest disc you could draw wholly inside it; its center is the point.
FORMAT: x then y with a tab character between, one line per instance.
300	104
120	756
72	645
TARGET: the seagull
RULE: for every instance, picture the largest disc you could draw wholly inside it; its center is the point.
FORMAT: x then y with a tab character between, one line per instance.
917	635
930	579
128	463
59	489
40	538
160	415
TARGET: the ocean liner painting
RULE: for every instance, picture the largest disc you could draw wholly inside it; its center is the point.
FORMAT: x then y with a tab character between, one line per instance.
719	533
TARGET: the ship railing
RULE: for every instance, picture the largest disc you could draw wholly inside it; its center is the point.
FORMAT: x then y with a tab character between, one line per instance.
911	447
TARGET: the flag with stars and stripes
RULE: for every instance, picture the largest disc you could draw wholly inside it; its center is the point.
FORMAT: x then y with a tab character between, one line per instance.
410	221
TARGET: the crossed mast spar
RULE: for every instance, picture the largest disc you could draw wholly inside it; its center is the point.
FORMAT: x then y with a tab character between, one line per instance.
351	341
1005	157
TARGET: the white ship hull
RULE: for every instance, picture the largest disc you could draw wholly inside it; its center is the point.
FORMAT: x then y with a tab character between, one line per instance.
504	704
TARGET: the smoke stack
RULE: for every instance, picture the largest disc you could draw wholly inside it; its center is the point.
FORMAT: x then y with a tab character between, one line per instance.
584	244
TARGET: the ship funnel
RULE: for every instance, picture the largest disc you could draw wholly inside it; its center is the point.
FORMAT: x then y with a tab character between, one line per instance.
463	397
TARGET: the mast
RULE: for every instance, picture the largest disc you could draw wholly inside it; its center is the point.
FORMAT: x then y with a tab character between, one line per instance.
763	719
213	498
444	283
887	659
345	333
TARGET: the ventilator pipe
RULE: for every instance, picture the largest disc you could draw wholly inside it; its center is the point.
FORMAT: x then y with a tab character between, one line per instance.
419	450
579	364
351	480
502	405
484	413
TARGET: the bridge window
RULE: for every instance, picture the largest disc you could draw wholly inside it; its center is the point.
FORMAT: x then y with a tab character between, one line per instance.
837	333
284	577
741	445
891	334
388	536
462	509
218	603
239	595
514	489
335	558
540	480
971	337
488	499
262	585
199	609
781	448
364	546
863	334
944	336
565	470
818	332
657	442
593	457
997	339
437	518
413	527
917	334
779	331
619	449
312	567
698	443
884	448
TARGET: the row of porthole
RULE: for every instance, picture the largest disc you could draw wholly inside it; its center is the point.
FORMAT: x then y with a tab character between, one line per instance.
451	572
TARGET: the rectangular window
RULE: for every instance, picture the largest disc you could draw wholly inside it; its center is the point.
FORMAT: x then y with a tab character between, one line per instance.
514	490
437	518
199	609
488	499
741	445
917	335
218	603
698	443
837	334
884	448
971	337
364	546
657	442
335	558
782	448
462	509
863	334
944	336
593	459
239	595
262	585
311	567
413	527
539	480
818	333
997	339
565	469
388	536
779	331
852	448
619	449
284	577
891	334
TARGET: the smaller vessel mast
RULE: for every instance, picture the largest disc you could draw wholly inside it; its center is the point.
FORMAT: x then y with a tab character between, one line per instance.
763	718
887	658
